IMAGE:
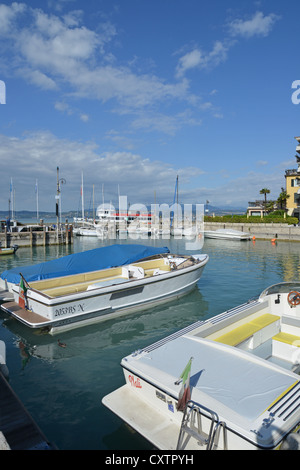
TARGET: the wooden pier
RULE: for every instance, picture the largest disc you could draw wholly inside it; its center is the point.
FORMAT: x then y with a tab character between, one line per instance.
43	237
18	431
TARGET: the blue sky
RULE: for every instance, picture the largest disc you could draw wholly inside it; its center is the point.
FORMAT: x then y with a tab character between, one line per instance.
133	93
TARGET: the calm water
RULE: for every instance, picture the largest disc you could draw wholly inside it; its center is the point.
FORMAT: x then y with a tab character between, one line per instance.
62	387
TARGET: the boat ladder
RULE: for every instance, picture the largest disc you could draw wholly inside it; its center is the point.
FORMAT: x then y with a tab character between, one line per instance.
192	427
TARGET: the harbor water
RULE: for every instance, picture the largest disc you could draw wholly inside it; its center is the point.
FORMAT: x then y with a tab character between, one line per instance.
62	379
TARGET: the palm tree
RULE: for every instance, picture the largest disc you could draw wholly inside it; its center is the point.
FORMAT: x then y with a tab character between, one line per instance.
283	196
265	191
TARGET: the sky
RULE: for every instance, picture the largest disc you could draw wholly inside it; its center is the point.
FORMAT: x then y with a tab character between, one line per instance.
127	95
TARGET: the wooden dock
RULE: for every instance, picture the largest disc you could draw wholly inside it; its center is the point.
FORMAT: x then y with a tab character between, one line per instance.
43	237
19	431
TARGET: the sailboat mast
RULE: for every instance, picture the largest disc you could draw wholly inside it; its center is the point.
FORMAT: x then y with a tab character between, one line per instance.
82	196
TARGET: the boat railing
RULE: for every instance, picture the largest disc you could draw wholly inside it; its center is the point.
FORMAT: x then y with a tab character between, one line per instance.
192	427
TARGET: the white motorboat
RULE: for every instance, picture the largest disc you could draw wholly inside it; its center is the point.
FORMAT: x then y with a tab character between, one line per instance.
86	232
70	301
240	385
227	234
76	263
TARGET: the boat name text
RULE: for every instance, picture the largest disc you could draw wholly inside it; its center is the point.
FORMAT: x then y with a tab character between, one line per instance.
68	310
135	383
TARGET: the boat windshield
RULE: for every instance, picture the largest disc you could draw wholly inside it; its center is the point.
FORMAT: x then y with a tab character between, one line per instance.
281	288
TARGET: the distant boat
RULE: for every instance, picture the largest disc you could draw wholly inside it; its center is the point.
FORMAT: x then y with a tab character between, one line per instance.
9	251
70	301
227	234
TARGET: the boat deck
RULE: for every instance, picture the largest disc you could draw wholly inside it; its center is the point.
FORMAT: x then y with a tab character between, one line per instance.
15	310
239	387
82	282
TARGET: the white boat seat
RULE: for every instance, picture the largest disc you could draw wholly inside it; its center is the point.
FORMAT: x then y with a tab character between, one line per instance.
285	346
243	332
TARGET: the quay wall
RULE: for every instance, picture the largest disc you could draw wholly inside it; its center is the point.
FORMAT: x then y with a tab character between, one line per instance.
40	238
283	232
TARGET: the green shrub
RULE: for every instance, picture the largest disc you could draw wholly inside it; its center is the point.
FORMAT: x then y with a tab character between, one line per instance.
275	217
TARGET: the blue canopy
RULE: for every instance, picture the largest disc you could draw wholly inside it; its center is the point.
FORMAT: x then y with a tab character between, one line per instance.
86	261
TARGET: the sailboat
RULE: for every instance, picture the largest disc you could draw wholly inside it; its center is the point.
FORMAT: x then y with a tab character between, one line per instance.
84	226
178	227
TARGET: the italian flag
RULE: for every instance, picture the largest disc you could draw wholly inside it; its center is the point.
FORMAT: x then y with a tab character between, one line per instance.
185	391
22	293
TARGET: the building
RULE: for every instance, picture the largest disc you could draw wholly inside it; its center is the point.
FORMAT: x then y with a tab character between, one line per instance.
292	180
256	208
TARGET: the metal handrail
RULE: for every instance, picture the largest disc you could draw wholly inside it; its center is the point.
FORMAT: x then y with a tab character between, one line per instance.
216	433
214	430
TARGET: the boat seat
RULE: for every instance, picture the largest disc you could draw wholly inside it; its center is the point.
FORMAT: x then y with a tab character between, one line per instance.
243	332
285	346
287	338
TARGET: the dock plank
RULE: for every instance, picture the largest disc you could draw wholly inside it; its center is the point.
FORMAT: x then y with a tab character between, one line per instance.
17	426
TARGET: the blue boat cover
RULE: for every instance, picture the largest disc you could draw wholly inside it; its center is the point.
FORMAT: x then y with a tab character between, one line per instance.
86	261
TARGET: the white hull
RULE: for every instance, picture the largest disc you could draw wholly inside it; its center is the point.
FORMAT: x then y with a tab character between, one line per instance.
71	301
86	232
244	380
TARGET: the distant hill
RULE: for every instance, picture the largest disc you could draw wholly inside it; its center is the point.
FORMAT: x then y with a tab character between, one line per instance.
23	215
224	210
30	215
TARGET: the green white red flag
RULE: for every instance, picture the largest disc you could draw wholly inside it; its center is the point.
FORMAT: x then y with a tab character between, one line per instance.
185	392
23	287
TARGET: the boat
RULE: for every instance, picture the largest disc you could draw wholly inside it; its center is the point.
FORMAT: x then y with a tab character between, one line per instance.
227	234
229	382
76	263
8	251
70	301
86	230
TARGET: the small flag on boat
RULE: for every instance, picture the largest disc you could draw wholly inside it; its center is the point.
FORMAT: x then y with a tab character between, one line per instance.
185	392
23	287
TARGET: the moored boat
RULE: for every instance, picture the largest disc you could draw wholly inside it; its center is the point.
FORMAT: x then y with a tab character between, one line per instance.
227	234
229	382
69	301
82	262
8	251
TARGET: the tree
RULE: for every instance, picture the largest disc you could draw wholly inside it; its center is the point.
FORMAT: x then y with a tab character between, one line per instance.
265	191
283	196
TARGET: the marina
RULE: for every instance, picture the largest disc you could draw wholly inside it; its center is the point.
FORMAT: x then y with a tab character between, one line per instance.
78	368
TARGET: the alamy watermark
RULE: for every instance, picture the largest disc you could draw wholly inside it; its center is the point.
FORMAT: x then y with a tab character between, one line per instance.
296	94
2	92
162	221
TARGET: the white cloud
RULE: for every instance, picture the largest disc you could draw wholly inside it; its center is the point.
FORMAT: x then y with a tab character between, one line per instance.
38	78
64	107
58	51
200	60
8	15
37	155
258	25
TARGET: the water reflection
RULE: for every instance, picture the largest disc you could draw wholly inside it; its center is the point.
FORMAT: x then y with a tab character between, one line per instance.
133	331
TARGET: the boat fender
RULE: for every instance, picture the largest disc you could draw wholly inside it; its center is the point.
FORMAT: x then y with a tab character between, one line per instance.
291	442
